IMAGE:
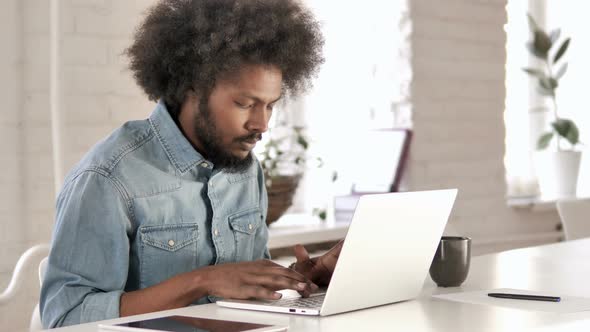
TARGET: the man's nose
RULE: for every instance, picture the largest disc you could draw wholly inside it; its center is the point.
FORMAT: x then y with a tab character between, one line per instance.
258	121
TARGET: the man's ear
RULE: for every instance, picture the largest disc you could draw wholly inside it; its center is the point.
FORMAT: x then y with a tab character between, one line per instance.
191	97
191	100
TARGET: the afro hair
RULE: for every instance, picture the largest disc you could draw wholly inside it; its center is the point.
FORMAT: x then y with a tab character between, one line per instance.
187	45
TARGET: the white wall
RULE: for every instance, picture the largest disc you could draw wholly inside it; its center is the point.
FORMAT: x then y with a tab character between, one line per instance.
97	95
457	94
98	92
11	69
13	233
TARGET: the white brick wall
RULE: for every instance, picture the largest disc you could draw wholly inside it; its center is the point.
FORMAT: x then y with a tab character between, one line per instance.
12	235
97	95
457	93
98	92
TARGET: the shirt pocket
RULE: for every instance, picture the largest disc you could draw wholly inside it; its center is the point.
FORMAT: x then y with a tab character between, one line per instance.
245	224
167	250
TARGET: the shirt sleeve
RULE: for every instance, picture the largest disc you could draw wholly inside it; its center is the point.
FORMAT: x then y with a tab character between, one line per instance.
89	258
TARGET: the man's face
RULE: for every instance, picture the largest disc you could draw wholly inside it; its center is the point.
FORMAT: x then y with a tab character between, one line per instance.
227	126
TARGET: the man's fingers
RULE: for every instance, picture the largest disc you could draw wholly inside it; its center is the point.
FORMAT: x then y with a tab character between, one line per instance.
290	275
276	282
257	266
260	268
258	292
307	293
336	249
329	259
268	262
259	279
301	253
339	245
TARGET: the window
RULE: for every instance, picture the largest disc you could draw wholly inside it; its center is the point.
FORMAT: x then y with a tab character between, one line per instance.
362	85
524	118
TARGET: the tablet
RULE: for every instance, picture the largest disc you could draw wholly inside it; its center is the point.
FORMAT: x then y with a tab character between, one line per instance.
192	324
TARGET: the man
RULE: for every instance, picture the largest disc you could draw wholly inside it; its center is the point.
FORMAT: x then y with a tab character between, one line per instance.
171	210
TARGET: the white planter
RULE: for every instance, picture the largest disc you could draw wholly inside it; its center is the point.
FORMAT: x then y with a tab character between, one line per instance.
557	173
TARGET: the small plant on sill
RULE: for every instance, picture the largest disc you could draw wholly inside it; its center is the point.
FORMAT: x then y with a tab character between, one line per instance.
284	160
286	153
546	48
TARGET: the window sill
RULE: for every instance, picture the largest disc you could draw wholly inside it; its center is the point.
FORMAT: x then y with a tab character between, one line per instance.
533	203
536	203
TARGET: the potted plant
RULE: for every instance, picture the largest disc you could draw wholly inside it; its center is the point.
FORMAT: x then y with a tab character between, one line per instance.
557	170
283	159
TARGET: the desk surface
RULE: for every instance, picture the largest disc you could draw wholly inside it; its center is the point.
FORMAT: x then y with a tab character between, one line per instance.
562	268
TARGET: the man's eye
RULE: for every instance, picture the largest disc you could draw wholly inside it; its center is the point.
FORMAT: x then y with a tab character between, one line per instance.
242	105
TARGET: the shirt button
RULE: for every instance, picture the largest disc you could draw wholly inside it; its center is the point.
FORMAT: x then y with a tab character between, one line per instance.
171	243
250	226
204	164
216	232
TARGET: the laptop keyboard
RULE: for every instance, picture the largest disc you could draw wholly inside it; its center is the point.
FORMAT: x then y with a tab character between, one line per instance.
299	302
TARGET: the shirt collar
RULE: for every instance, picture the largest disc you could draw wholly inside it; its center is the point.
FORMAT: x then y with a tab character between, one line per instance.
180	151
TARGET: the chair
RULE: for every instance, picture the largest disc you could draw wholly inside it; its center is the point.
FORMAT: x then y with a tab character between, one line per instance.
575	217
17	279
35	324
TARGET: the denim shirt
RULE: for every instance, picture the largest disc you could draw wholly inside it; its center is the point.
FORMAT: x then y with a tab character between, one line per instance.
143	206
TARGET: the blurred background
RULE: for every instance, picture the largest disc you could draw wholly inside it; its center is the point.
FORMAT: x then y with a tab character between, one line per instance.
451	71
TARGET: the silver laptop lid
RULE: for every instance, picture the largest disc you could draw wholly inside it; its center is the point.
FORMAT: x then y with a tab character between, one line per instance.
388	249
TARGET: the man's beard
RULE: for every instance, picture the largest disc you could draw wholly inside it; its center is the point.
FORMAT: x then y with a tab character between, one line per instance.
207	134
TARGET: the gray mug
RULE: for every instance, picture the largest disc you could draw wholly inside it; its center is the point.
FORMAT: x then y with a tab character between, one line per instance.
450	264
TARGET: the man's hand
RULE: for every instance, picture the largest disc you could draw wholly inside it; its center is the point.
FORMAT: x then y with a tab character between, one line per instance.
318	269
259	279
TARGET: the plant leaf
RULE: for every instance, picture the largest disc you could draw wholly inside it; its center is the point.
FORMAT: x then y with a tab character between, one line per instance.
543	91
544	84
542	43
548	83
532	23
554	35
321	213
567	129
561	71
334	176
301	140
535	72
544	140
531	47
561	126
561	50
573	136
320	162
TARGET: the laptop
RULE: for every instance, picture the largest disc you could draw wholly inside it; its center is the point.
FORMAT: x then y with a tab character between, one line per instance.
389	246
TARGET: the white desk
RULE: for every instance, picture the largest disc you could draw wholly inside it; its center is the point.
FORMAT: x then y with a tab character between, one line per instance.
562	268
